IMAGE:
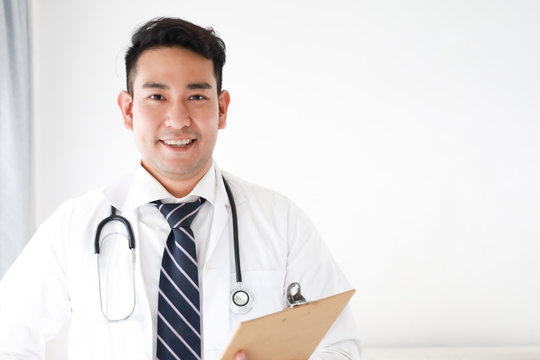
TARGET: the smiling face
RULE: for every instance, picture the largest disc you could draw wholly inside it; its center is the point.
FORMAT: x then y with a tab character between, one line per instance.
175	113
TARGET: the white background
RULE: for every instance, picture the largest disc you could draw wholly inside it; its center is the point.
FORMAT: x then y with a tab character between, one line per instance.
407	130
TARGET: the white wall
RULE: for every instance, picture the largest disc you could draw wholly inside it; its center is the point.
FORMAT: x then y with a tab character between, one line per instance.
408	130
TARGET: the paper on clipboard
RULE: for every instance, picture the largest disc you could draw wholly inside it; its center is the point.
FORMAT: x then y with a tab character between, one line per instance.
291	334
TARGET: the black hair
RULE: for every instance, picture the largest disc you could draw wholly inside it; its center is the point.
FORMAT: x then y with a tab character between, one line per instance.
174	32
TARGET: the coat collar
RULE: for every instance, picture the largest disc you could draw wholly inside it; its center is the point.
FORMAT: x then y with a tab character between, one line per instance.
139	187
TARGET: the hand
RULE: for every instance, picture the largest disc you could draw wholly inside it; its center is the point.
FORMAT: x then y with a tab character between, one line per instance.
240	355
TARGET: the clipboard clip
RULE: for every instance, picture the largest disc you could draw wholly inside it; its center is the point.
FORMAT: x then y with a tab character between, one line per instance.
294	295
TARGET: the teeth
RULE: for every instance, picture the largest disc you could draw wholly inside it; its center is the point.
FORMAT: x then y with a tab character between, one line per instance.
182	142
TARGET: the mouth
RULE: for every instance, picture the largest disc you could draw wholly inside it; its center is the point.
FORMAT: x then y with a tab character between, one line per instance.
178	143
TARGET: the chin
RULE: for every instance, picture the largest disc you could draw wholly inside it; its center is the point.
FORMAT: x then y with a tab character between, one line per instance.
182	170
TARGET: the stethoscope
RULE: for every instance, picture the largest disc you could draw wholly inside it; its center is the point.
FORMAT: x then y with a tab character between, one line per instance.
241	299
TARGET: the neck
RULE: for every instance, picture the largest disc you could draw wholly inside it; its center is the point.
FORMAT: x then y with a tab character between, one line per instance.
178	187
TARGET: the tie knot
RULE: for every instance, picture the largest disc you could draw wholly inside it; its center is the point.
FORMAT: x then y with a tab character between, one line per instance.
180	214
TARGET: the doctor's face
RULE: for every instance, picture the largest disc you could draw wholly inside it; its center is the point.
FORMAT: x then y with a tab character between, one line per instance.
174	113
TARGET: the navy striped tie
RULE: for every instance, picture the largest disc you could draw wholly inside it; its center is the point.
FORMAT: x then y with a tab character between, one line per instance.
179	318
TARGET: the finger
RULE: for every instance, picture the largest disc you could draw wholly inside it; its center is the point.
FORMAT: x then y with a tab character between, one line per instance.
240	355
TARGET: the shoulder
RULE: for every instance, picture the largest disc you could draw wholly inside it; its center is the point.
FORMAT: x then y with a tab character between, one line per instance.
247	190
73	222
86	202
79	208
114	193
266	202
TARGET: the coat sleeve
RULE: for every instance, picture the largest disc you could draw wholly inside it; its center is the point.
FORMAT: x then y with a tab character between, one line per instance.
311	264
34	298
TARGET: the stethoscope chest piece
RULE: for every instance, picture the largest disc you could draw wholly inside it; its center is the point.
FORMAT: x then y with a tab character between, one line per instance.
241	301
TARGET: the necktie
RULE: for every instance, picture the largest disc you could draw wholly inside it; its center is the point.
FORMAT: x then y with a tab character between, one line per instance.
179	319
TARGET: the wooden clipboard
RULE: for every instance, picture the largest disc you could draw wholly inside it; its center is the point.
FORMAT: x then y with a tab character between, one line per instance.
291	334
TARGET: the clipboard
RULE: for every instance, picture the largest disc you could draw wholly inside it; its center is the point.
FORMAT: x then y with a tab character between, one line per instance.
291	334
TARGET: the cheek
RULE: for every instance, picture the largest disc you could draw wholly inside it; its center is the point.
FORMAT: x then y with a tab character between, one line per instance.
203	114
210	127
145	118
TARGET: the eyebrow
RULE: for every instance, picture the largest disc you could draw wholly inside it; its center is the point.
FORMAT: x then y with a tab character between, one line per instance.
192	86
152	85
201	85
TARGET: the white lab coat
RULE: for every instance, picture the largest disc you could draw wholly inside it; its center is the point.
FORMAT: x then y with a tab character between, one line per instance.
55	278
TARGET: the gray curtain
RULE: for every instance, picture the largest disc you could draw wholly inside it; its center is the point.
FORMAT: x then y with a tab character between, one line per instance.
15	130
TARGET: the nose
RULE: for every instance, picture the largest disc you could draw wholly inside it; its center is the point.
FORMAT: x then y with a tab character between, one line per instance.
177	116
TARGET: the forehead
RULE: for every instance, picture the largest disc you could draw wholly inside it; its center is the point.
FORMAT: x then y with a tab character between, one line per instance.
172	64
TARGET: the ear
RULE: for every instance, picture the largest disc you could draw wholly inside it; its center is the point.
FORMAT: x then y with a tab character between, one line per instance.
125	103
224	100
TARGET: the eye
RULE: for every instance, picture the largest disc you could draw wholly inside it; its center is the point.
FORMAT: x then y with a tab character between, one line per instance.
197	97
157	97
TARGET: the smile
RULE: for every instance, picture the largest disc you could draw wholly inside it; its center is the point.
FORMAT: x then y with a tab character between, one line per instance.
178	143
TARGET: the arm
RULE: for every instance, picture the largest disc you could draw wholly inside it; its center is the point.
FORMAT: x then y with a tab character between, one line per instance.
293	246
34	300
311	264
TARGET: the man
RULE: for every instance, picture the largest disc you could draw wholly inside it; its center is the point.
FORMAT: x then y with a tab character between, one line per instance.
176	301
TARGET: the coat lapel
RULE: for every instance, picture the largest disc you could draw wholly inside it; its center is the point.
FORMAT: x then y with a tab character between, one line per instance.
216	277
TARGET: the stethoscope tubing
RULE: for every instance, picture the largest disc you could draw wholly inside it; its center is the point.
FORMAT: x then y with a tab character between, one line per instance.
241	299
110	218
235	231
131	238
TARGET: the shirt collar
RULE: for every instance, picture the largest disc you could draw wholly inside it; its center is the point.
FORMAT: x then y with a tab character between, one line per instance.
205	188
140	187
